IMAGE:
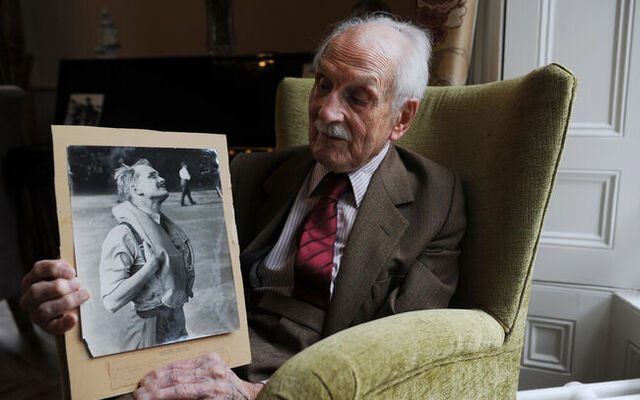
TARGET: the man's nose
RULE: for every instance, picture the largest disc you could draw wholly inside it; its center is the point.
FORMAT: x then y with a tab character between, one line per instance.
331	110
160	179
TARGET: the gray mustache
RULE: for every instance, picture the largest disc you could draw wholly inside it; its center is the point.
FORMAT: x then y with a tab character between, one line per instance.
333	130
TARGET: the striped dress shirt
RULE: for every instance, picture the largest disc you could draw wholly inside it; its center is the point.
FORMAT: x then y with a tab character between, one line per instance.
275	273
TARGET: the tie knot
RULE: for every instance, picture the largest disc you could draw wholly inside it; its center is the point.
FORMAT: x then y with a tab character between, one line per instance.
334	185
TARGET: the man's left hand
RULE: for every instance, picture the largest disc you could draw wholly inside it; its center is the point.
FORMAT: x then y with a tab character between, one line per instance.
205	377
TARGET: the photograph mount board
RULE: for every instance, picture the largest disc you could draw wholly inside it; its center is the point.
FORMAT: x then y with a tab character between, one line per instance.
98	153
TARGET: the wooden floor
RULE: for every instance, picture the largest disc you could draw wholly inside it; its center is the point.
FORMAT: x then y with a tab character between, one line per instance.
28	368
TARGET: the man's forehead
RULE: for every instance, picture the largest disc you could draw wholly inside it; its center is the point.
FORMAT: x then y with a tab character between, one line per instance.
143	170
359	74
369	48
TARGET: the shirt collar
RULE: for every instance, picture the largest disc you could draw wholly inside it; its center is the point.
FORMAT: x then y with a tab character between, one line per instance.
154	216
359	178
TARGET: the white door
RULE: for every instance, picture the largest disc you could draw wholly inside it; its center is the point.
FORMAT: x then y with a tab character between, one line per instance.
590	247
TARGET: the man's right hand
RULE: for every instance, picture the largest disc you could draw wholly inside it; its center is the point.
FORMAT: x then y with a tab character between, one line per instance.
50	291
152	258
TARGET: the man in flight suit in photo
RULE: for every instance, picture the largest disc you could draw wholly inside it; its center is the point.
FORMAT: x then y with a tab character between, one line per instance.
147	261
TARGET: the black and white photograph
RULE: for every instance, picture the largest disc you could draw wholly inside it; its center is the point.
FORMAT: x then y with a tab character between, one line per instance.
150	245
84	109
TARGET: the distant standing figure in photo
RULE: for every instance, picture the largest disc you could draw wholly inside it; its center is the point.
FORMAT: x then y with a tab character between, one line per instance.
147	260
185	181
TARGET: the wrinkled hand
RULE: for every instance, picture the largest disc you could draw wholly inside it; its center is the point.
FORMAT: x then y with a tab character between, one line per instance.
205	377
50	292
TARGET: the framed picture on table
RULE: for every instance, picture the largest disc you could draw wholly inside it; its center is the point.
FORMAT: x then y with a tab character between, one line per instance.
146	220
84	109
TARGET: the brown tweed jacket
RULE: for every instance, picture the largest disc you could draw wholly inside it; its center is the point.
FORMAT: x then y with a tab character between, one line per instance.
401	255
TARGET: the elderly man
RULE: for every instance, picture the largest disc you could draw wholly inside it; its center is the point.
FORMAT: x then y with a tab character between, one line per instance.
346	230
147	260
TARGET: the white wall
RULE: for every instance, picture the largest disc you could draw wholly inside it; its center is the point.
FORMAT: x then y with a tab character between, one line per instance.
580	326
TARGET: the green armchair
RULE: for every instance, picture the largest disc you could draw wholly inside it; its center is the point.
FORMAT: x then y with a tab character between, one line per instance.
504	140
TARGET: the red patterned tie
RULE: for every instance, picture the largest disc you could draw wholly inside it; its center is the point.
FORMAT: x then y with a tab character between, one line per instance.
314	261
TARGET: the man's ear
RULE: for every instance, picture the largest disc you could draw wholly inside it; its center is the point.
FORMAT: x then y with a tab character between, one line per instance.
407	113
135	190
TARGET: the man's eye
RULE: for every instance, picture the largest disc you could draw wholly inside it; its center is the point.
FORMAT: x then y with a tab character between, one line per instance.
323	84
359	100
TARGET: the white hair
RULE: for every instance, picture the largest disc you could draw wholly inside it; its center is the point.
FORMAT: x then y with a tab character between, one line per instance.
412	72
124	177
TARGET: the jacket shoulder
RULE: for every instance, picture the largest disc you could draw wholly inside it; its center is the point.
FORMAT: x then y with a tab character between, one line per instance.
426	176
264	160
418	163
254	168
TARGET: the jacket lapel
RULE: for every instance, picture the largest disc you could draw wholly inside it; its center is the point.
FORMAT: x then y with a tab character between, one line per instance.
375	234
281	188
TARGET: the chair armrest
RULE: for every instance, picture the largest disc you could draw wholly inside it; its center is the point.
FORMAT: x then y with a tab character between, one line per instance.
357	361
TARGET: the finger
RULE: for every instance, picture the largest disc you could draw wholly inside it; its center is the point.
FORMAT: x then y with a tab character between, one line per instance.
43	291
47	270
216	371
196	362
159	376
178	377
163	373
58	326
148	249
51	309
209	389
